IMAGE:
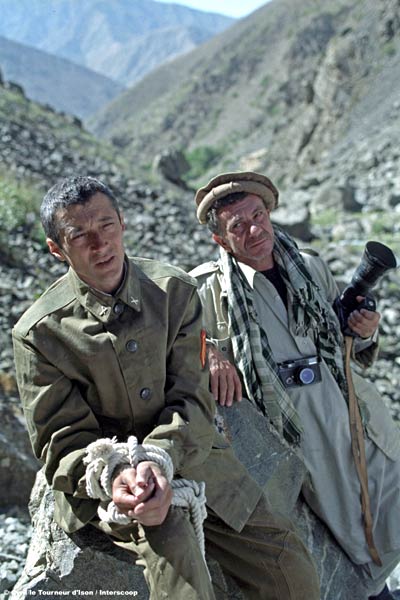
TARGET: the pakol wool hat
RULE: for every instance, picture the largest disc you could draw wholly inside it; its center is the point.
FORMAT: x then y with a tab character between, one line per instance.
230	183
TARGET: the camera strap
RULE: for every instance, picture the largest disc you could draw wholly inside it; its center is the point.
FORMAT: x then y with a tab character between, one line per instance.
358	450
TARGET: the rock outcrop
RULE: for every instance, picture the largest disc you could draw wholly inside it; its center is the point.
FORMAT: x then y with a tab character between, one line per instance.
87	562
172	165
18	467
281	472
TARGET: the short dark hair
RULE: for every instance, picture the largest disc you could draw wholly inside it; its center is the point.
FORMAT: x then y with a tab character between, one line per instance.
69	191
212	213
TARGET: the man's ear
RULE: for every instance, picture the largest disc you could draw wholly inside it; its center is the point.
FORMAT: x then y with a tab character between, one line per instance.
121	218
55	249
221	242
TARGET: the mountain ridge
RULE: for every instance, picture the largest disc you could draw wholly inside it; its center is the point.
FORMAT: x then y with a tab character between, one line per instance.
56	81
290	83
104	37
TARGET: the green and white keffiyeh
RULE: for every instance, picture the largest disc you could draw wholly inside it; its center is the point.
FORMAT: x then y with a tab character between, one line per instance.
307	310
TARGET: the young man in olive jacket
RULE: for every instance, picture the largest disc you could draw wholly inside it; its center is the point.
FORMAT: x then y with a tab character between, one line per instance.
111	373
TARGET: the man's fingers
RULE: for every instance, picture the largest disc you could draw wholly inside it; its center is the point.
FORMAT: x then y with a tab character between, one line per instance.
364	322
124	499
229	395
133	486
154	510
225	384
234	391
144	474
222	388
125	481
218	383
143	492
238	388
224	381
370	315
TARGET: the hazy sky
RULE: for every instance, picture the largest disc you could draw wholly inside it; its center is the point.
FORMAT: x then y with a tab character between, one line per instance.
233	8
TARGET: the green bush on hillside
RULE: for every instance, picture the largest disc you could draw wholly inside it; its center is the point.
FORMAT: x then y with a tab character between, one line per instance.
19	209
201	159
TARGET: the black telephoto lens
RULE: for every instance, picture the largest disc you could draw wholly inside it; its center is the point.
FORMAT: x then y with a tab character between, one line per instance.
375	261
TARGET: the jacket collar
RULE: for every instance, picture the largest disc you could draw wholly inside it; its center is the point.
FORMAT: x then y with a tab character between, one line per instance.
248	272
102	305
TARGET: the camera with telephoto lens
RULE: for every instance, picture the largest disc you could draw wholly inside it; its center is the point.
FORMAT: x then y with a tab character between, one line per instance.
303	371
375	261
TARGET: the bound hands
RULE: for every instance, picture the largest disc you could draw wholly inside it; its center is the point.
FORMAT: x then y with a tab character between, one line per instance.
143	493
363	322
224	380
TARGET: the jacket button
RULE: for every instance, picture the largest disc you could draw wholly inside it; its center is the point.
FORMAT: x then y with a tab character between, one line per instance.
131	346
145	393
118	308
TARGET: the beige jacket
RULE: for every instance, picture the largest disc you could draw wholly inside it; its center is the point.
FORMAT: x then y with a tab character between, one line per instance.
212	291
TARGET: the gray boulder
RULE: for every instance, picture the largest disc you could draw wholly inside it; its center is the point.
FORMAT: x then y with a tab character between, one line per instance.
340	197
280	472
172	165
84	562
87	561
18	466
296	222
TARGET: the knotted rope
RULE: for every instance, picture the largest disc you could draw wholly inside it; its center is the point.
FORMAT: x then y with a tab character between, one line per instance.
105	455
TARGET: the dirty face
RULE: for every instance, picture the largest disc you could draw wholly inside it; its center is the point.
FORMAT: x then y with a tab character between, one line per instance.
246	232
91	242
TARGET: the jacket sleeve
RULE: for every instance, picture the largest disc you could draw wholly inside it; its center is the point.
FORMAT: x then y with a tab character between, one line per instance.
185	426
214	303
59	420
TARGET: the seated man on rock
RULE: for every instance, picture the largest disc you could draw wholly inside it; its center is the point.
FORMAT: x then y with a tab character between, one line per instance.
110	365
272	331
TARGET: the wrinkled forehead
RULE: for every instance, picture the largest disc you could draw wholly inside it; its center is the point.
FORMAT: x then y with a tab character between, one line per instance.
243	208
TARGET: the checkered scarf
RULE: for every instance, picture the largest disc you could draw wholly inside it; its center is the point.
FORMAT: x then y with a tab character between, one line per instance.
308	312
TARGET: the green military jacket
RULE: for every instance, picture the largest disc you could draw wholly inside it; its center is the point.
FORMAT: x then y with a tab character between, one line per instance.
90	365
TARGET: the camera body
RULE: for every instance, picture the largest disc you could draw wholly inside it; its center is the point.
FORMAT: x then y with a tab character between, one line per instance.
375	261
344	310
303	371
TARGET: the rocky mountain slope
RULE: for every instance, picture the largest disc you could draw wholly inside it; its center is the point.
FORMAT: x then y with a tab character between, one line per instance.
122	39
55	81
292	89
341	189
